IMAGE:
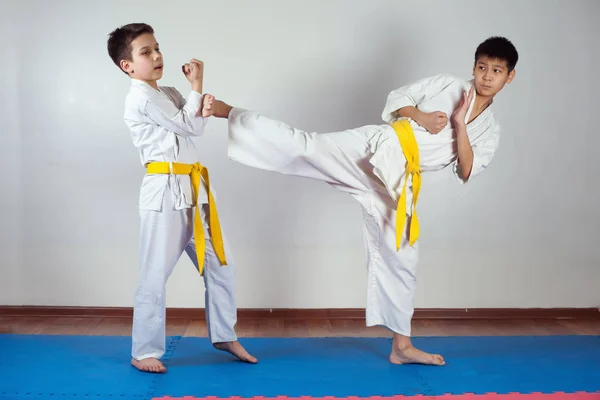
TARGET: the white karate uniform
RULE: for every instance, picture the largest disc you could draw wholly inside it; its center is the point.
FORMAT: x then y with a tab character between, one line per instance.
162	125
369	164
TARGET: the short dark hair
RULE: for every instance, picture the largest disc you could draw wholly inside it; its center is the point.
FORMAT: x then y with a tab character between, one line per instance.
119	41
497	47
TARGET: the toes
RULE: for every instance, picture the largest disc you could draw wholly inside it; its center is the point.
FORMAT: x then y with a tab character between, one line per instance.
247	357
159	367
237	350
154	366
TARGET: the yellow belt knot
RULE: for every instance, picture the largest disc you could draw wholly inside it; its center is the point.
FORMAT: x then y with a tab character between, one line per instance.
411	153
197	171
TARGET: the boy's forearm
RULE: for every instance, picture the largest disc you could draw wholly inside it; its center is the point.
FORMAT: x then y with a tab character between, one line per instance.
409	112
465	152
197	86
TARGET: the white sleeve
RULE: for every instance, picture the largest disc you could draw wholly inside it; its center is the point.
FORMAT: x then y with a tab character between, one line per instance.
413	94
184	122
140	127
483	153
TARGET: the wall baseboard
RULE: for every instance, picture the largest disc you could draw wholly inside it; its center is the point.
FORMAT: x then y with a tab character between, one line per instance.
305	314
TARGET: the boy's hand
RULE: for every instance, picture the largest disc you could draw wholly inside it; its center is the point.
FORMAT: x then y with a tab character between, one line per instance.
185	68
206	108
194	72
434	122
458	116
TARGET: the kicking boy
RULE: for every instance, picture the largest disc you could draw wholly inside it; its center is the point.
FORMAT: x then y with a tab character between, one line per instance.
162	125
432	124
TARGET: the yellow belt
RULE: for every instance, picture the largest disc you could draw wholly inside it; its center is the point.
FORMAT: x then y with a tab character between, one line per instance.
411	153
195	171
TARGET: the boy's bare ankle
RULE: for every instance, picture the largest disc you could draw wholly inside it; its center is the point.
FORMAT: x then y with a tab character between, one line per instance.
402	342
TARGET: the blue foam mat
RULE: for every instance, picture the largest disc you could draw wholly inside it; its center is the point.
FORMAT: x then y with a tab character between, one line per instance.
98	367
358	367
69	365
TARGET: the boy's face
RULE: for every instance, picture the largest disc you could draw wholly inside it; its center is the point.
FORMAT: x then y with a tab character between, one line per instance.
490	76
146	59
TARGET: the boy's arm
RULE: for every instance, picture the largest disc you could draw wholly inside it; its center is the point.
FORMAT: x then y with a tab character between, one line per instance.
465	151
404	101
187	121
472	160
184	122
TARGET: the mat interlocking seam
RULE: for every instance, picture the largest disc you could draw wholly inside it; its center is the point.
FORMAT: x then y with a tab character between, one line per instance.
165	360
464	396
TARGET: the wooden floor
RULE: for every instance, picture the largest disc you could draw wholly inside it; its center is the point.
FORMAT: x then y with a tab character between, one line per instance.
303	328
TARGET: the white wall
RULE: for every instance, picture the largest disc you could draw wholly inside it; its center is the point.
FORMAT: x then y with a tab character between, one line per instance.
71	175
10	165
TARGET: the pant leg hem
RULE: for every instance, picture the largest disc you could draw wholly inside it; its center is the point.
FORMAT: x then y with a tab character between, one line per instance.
158	356
214	340
392	328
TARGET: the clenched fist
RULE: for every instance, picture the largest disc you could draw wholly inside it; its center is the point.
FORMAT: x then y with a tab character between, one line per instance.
434	122
194	72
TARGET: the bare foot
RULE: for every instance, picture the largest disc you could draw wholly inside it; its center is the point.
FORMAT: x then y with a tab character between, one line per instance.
149	365
237	350
412	355
403	352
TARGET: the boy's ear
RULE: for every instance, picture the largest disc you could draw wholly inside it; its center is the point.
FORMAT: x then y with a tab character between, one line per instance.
126	66
511	76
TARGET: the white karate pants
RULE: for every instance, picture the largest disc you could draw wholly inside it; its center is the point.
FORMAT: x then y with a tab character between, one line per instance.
164	236
340	159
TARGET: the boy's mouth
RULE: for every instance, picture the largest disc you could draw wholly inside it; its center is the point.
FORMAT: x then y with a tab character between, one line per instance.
160	67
